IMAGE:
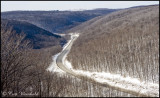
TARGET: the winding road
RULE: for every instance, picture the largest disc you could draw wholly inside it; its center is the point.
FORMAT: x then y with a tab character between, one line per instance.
146	91
62	55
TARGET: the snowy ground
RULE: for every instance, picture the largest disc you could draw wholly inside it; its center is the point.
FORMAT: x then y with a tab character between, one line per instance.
113	80
53	66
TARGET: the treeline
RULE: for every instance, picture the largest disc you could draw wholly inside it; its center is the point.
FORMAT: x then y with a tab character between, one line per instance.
124	42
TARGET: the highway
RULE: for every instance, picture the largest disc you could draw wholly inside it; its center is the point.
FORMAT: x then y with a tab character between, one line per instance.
61	56
128	88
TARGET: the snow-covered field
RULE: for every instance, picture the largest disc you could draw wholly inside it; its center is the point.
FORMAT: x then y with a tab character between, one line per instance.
113	80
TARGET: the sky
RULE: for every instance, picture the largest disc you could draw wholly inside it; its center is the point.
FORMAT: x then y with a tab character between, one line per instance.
69	5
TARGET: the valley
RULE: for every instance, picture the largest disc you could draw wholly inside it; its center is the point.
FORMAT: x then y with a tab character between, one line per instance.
116	81
91	53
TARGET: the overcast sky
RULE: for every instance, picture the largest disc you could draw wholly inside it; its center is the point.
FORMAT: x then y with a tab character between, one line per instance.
69	5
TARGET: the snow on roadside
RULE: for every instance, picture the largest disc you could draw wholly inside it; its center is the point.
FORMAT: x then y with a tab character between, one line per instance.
66	62
67	44
118	81
114	80
127	83
53	66
72	36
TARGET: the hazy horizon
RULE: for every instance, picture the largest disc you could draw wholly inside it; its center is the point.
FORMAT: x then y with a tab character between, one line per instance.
69	5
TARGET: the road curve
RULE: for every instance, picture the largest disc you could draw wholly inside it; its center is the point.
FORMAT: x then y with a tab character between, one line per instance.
61	56
60	64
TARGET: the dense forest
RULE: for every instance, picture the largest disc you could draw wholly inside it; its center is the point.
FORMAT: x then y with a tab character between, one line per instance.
125	42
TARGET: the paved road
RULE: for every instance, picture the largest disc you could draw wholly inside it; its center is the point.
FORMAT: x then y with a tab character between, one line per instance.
62	55
59	62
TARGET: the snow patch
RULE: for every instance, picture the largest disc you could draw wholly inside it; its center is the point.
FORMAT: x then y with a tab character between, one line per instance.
68	64
53	66
64	47
118	81
114	80
69	41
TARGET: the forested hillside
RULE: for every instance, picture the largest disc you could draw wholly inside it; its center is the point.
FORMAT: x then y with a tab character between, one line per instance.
38	37
114	41
55	21
23	68
125	42
24	74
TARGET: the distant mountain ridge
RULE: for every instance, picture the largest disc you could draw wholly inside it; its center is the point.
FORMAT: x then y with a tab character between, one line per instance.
55	21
